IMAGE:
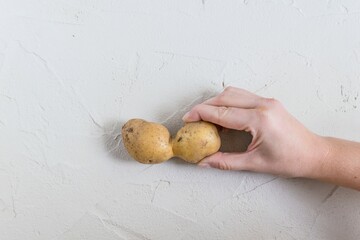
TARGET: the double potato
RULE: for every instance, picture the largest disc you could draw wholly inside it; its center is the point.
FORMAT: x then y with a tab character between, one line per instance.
150	143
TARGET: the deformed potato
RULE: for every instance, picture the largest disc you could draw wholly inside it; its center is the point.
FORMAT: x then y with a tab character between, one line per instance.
195	141
149	142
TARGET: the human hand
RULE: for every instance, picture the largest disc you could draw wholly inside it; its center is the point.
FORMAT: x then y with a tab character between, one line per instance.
280	145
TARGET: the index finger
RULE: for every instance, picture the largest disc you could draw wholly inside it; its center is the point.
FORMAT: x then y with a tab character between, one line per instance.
229	117
235	97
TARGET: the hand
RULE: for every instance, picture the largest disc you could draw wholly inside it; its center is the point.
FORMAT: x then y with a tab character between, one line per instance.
280	145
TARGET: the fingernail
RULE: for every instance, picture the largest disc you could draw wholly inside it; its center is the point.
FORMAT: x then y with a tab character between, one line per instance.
204	165
186	116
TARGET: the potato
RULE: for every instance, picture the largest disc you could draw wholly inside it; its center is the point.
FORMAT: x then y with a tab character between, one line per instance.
195	141
149	142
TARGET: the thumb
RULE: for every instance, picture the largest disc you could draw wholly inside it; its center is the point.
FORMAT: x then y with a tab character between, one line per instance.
230	161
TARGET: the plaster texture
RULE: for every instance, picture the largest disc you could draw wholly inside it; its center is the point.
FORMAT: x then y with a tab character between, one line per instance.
71	72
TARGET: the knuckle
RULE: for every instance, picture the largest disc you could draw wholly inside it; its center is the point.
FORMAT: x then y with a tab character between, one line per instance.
221	97
197	108
223	165
229	89
266	110
271	102
222	112
263	115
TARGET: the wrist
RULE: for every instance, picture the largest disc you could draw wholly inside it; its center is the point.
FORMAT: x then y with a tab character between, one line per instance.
320	161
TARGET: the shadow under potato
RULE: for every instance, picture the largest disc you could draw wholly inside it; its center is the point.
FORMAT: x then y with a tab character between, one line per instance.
113	141
234	141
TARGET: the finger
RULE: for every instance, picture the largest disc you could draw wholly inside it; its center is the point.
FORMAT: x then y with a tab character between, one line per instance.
228	117
235	97
231	161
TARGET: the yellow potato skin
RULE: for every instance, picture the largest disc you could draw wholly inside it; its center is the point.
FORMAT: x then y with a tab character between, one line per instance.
151	143
195	141
147	142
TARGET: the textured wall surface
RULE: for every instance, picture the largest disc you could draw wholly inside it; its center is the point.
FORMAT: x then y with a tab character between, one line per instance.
71	72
